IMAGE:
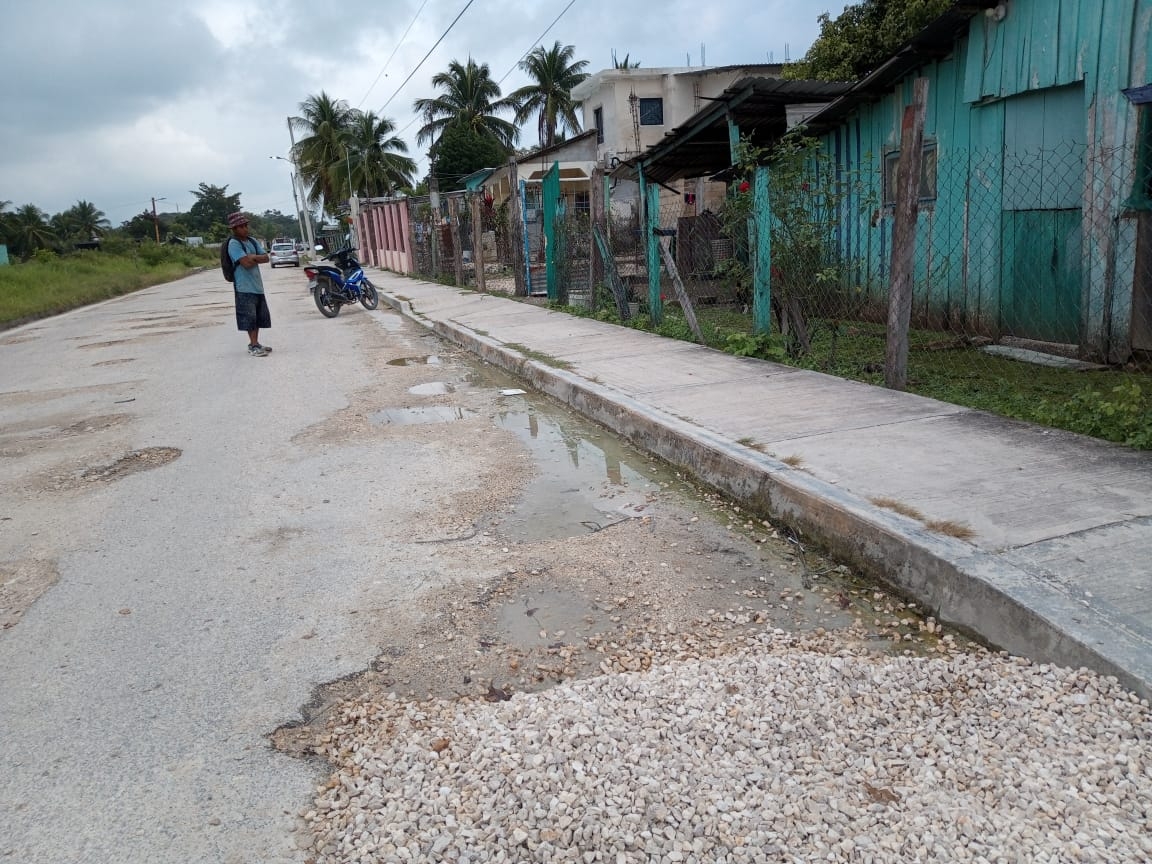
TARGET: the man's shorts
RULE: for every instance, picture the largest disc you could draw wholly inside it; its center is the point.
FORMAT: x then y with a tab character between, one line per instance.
252	311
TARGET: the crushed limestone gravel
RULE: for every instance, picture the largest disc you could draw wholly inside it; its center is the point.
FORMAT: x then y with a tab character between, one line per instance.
778	748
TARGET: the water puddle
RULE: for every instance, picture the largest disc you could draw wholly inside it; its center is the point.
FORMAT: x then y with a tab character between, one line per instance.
432	388
417	416
587	478
428	360
547	616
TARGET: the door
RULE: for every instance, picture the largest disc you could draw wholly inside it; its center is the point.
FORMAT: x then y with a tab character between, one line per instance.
1042	253
1041	223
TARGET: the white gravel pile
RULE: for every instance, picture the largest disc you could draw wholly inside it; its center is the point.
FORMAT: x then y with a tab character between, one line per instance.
784	750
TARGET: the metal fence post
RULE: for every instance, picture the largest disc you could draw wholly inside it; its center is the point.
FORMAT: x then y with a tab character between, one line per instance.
651	221
762	253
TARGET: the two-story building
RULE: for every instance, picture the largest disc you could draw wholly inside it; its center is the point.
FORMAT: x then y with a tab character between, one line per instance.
633	109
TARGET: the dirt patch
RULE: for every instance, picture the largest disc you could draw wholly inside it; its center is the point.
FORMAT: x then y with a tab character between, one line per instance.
107	344
18	340
21	584
131	463
21	438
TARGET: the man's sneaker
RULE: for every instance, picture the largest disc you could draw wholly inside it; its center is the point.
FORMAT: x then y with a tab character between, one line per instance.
257	351
267	349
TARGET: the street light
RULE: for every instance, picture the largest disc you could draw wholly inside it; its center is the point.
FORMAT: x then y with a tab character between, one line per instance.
156	219
305	220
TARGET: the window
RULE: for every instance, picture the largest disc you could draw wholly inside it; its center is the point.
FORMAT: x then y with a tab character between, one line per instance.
598	122
582	202
927	174
652	112
1141	198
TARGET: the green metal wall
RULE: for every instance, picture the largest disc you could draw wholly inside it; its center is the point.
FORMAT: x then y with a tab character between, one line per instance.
1050	72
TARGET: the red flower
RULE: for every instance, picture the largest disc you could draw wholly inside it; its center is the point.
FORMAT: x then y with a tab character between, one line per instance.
745	186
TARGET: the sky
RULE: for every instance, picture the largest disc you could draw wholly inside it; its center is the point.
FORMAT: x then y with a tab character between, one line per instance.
118	102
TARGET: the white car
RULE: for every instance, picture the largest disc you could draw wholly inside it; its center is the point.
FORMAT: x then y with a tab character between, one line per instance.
283	253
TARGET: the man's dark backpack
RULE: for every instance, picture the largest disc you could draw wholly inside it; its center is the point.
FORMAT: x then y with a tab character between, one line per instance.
226	262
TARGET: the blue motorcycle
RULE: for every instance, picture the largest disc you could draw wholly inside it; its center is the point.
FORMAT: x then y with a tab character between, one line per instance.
336	286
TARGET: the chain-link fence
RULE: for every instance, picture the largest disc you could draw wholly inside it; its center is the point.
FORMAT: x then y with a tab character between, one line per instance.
1031	277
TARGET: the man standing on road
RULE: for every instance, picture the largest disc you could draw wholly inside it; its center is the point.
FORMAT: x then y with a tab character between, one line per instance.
251	307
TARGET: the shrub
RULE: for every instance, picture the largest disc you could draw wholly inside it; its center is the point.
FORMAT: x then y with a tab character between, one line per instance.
1123	414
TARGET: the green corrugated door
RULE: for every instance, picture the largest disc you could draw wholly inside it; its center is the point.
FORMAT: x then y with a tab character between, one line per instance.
1041	231
1043	261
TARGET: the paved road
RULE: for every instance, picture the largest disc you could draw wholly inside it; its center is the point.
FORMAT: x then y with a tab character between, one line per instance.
182	626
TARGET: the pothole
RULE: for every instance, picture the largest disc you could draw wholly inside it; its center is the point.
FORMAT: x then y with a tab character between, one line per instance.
418	416
586	480
132	463
427	360
21	584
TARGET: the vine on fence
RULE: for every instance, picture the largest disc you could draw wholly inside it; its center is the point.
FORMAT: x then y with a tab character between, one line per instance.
810	278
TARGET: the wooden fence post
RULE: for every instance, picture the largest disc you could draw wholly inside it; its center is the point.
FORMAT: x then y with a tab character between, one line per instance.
516	229
478	241
907	207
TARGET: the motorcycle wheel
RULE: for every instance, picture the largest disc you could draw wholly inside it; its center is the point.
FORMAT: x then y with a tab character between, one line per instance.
329	307
369	299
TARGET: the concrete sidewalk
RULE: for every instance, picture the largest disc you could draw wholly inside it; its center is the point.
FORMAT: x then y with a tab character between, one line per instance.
1060	565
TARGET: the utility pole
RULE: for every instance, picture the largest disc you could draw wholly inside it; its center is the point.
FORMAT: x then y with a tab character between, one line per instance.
307	217
156	219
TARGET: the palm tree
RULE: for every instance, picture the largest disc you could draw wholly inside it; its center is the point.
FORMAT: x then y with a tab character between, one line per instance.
29	231
324	123
470	98
376	158
550	96
87	221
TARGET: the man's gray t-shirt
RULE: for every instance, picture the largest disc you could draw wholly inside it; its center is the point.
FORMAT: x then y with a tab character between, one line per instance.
247	278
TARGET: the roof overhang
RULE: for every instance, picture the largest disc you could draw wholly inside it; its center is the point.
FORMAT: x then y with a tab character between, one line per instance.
701	146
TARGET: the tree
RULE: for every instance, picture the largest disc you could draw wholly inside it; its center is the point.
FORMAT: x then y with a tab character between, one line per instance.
470	98
28	230
461	150
377	162
80	222
549	97
863	36
212	206
324	123
142	227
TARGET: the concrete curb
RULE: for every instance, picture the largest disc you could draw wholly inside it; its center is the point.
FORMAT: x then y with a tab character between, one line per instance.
966	587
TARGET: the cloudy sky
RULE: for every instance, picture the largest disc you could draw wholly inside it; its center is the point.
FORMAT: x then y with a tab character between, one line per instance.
117	101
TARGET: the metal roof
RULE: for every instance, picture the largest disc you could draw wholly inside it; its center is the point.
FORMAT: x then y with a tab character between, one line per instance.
700	147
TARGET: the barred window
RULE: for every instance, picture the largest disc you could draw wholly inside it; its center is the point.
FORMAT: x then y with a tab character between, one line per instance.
652	112
927	174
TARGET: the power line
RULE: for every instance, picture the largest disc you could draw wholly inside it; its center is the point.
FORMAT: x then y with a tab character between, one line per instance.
384	68
537	42
426	56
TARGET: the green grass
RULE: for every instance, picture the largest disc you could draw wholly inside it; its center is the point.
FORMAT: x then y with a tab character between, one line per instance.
50	285
539	356
1114	404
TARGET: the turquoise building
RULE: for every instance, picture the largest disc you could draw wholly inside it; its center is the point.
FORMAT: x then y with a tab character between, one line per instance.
1036	192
